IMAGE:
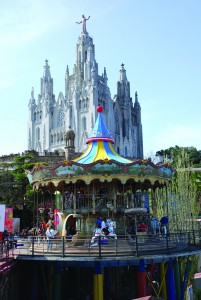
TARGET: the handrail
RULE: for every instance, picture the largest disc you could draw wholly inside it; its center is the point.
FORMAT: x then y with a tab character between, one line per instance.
123	245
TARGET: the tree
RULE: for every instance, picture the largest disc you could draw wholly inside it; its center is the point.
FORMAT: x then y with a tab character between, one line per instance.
15	190
173	154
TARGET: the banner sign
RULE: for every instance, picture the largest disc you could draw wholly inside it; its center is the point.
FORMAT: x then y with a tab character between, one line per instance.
9	219
2	217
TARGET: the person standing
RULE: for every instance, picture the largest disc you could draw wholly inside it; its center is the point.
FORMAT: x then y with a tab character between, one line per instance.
50	233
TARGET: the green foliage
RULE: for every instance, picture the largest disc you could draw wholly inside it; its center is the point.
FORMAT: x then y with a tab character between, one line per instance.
192	156
15	190
183	194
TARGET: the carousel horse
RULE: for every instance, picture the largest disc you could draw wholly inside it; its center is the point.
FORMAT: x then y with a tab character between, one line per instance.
104	233
110	225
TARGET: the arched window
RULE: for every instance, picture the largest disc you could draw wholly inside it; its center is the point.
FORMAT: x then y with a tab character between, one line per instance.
84	123
87	103
38	134
60	120
125	152
80	104
61	137
117	128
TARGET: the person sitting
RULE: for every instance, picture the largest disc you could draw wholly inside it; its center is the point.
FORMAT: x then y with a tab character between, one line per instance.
99	222
97	233
110	226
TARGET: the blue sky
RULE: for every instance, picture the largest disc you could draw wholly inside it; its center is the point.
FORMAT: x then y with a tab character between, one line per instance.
159	41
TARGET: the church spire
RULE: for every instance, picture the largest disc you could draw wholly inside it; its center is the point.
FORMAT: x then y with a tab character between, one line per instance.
136	97
105	76
122	73
46	72
47	83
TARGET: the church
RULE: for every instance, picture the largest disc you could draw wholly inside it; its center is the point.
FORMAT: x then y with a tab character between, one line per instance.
51	120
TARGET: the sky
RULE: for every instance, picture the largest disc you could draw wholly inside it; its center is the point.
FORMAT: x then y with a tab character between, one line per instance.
159	42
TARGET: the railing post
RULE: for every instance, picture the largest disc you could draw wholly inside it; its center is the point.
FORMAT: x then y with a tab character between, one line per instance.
189	240
32	244
136	245
116	246
99	246
193	235
7	248
167	242
63	246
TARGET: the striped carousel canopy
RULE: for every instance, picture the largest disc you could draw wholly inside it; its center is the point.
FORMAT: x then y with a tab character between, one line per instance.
100	144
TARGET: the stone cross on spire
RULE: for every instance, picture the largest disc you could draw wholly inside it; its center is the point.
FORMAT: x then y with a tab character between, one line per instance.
83	21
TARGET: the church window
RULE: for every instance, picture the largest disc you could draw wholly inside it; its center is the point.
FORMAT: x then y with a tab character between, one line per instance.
87	103
118	150
38	134
34	117
80	104
125	152
60	120
51	139
99	101
117	129
84	123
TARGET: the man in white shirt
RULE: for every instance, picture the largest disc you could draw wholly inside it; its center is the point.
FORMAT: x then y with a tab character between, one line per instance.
50	233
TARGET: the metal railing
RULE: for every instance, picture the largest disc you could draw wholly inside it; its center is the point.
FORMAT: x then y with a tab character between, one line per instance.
122	245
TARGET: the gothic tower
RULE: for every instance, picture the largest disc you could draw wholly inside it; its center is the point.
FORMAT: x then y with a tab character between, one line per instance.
85	89
40	114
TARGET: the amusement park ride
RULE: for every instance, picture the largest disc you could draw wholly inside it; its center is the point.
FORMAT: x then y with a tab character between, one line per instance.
102	183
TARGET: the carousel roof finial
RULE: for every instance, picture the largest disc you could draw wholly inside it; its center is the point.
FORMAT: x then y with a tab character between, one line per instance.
100	144
100	131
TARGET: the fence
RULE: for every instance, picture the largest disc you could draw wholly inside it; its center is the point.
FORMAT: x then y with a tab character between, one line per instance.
121	245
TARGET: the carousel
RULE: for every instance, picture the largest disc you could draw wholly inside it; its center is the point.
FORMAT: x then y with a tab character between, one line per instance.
100	182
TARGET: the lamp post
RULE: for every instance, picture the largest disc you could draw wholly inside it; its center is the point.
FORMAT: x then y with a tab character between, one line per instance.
41	211
51	213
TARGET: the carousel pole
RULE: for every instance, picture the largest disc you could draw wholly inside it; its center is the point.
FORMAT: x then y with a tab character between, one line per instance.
34	207
57	283
142	279
162	272
74	199
170	284
177	278
98	282
37	217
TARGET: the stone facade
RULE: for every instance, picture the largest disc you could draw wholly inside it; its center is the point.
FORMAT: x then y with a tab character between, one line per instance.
50	120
